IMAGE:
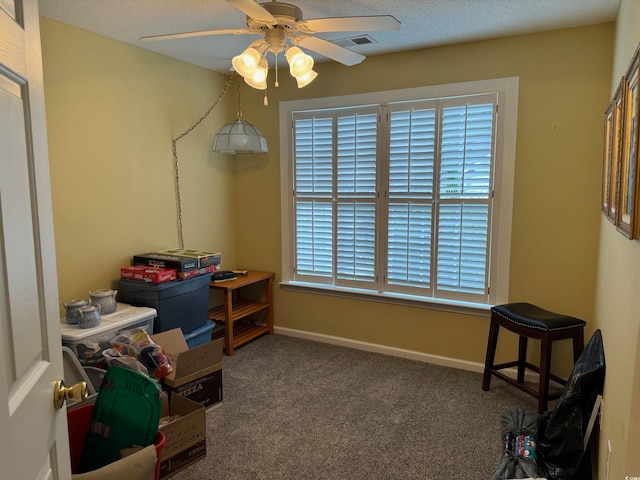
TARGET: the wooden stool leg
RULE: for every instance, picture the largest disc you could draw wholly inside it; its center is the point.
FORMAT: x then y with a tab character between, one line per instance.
492	342
522	357
545	365
578	344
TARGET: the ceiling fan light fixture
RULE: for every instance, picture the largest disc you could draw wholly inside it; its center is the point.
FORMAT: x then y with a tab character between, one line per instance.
300	63
257	85
305	80
258	79
247	62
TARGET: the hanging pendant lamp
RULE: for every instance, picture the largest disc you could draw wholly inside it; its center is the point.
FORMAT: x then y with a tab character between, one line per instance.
235	137
239	137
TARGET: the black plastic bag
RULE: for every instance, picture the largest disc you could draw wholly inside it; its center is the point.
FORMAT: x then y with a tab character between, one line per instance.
561	440
519	434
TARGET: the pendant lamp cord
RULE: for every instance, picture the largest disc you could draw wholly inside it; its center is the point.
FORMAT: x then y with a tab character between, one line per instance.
175	153
239	106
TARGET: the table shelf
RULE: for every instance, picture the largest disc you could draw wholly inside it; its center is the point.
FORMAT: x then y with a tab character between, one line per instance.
245	332
240	310
235	309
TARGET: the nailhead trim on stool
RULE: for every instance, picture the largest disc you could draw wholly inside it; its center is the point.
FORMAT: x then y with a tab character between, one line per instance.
530	321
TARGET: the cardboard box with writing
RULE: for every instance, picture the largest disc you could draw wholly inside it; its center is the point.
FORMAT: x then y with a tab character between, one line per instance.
186	435
205	259
148	274
164	260
197	372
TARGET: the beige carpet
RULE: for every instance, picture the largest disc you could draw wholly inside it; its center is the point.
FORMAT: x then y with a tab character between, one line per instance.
298	409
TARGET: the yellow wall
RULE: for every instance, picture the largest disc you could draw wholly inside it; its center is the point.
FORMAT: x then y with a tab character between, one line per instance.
564	87
112	111
617	308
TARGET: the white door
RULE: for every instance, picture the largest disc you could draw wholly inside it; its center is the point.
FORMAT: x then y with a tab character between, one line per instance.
33	434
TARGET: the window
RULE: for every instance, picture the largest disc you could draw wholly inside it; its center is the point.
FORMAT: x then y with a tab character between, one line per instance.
402	198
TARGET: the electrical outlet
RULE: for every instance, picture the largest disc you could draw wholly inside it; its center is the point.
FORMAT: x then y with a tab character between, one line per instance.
608	462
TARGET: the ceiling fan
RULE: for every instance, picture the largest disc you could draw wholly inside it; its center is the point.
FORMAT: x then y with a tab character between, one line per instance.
284	30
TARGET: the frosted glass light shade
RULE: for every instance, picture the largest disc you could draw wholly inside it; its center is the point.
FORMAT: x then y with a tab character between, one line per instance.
239	137
305	80
300	63
258	79
247	62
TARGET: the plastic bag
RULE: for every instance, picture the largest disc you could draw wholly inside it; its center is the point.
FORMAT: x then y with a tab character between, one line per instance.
562	439
116	358
138	344
520	454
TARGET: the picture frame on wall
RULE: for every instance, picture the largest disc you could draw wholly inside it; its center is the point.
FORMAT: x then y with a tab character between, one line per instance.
608	155
627	208
614	116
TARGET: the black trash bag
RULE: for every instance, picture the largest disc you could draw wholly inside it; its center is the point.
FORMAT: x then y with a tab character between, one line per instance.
519	434
561	441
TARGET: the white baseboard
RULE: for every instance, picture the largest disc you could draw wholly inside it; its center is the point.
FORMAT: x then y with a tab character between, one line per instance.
397	352
386	350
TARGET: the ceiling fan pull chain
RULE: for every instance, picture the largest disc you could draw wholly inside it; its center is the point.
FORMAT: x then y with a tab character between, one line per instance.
277	84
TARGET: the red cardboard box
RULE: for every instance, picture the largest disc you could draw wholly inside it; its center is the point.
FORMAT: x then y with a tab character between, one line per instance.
198	271
148	274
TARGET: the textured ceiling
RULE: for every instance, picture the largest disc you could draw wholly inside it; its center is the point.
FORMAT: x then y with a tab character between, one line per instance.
424	23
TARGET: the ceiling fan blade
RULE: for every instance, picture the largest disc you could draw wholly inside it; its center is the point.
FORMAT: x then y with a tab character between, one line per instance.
254	10
375	23
200	33
328	49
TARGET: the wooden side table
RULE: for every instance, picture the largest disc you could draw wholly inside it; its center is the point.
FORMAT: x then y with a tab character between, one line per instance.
235	309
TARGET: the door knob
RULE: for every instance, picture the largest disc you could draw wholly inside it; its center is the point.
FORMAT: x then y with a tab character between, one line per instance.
77	392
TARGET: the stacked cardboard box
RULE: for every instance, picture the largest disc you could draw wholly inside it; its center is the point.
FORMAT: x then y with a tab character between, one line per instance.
194	385
185	432
164	260
205	259
197	372
185	263
148	274
195	272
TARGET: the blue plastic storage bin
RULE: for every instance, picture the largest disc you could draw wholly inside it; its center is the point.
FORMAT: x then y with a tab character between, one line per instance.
201	335
180	303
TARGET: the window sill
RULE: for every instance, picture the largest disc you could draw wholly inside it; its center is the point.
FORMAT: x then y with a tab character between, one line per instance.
466	308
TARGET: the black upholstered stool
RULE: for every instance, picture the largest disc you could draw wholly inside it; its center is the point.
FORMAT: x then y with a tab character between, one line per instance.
529	321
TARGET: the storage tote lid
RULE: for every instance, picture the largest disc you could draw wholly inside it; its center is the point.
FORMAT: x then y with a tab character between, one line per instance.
124	316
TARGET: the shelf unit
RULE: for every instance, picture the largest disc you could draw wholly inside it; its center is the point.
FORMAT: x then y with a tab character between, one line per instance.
238	308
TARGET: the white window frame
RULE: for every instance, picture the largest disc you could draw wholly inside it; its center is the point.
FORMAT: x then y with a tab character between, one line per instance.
506	129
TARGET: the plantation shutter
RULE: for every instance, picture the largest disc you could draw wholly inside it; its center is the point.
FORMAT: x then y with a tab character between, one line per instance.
356	195
335	155
313	183
412	131
429	233
465	191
